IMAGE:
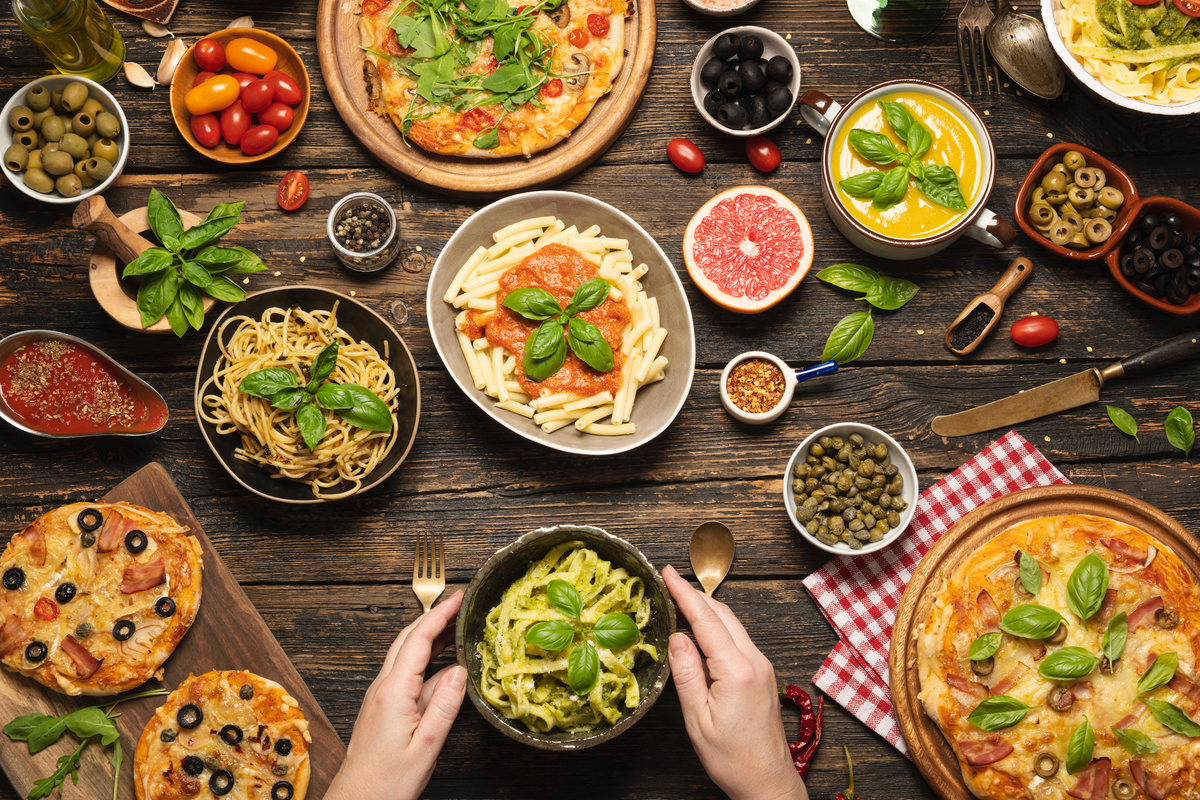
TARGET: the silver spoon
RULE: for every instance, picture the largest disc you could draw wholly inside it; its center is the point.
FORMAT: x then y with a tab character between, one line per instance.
1022	48
711	553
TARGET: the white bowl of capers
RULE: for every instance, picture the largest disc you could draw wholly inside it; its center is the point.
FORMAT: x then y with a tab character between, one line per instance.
850	489
89	128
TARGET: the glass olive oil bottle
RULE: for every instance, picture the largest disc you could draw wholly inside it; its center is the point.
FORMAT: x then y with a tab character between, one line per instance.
74	34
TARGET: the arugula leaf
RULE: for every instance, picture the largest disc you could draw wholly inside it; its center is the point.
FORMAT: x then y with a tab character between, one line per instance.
583	668
1031	573
853	277
850	338
92	721
118	757
1159	674
311	422
46	734
985	646
1124	421
615	631
1080	748
489	139
68	765
873	146
564	598
20	728
266	383
506	79
552	635
999	712
891	190
156	259
1180	431
164	217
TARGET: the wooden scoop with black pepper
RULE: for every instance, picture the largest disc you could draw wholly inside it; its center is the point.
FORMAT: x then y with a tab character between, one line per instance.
980	316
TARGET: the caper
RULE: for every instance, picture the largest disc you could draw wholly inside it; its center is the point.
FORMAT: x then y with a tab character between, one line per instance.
16	157
246	692
856	439
83	124
53	128
810	459
882	525
797	485
837	505
855	544
817	471
800	470
838	442
829	464
813	526
817	450
866	468
885	500
279	769
68	185
862	483
856	525
826	538
811	485
74	96
211	763
812	503
843	455
87	538
876	535
804	514
108	125
879	481
57	162
874	494
39	181
21	118
818	495
893	519
896	486
56	100
38	98
849	515
74	144
837	525
85	179
823	529
879	513
854	497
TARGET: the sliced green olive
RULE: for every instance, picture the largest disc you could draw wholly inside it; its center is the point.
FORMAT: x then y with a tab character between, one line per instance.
1060	699
983	666
1123	789
1074	160
1059	635
1045	764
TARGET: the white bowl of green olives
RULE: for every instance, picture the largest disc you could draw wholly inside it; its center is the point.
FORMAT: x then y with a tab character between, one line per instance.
745	80
88	127
836	484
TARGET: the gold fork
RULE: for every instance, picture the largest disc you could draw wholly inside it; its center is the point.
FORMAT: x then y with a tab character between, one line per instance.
429	569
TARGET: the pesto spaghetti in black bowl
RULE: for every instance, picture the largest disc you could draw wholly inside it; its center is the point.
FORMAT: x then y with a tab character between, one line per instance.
563	634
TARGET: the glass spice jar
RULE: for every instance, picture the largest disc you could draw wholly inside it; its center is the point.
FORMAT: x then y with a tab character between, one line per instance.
363	232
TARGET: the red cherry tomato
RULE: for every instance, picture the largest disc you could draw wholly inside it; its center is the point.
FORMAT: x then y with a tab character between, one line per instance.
598	25
259	139
763	153
247	55
206	129
257	96
244	79
45	609
1189	7
210	55
201	77
286	88
579	38
553	88
685	155
293	191
277	115
235	121
215	94
1034	331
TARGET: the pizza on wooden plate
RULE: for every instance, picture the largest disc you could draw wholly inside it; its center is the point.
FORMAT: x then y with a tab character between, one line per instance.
489	78
224	733
96	596
1060	659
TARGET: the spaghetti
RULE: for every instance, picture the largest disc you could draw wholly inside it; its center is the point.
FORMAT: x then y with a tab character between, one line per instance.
291	339
528	683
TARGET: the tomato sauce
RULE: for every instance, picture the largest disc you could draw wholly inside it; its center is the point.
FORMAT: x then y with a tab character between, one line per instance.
58	387
560	270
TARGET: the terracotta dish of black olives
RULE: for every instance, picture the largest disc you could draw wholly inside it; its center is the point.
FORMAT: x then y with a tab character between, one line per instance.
745	80
1158	260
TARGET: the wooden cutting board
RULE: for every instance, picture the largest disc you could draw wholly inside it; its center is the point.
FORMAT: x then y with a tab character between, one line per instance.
928	748
228	634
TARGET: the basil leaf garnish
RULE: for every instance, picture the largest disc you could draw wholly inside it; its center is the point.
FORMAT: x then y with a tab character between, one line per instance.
589	344
898	116
333	396
1160	673
996	713
873	146
985	646
1134	741
368	412
552	635
266	383
891	189
156	294
532	303
564	598
850	338
1031	621
615	631
588	295
1079	750
155	259
940	184
323	364
164	217
1124	421
1031	573
917	140
583	668
1172	716
1180	430
890	294
1113	643
312	424
865	184
288	399
1085	589
545	351
854	277
1067	664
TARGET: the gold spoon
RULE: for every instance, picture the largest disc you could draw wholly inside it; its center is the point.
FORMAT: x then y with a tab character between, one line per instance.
711	553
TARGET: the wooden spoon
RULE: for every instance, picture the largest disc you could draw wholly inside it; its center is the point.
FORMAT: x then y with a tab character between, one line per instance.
1017	273
711	553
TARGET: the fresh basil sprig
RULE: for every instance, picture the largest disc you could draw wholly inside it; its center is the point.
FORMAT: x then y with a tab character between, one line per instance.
888	294
1159	674
1031	573
1113	643
612	631
1080	747
1134	741
1180	431
1173	717
1087	585
850	338
985	646
355	404
999	712
1067	664
187	264
546	347
1031	621
1124	421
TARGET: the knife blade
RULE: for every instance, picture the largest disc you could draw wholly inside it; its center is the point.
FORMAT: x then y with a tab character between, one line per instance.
1065	393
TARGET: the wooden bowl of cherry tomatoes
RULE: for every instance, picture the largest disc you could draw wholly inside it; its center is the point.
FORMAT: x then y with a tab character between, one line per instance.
240	95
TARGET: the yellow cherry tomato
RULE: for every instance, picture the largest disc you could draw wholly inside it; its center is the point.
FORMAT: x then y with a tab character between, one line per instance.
247	55
215	94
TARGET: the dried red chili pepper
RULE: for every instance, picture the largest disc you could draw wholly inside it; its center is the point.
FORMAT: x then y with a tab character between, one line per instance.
811	724
849	793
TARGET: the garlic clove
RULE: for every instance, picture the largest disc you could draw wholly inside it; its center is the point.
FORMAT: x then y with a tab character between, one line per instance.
136	74
241	22
156	30
170	60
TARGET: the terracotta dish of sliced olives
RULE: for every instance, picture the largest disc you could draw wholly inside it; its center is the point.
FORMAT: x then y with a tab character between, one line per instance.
1075	206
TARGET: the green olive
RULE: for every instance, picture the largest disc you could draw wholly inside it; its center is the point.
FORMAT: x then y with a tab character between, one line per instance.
81	172
98	168
67	123
35	160
16	158
1086	177
50	147
57	163
1054	183
92	107
108	125
74	96
1041	215
1073	219
56	100
1080	196
1073	160
27	139
91	140
53	128
1101	178
1059	168
38	98
1079	240
83	124
1097	230
74	144
1037	195
1111	197
21	118
39	181
38	116
106	149
41	140
68	185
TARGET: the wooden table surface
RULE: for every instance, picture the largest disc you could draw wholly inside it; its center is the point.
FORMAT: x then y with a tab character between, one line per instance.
332	582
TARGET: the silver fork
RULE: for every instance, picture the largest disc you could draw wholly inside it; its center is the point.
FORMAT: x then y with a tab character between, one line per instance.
972	24
429	569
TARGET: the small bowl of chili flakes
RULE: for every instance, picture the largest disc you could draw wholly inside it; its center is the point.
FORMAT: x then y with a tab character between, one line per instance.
757	387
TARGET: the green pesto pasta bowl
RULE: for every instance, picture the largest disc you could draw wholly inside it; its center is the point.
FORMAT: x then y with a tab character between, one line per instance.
524	691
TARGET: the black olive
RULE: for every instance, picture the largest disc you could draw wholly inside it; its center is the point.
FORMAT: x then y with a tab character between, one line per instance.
1161	283
1143	260
1159	238
1173	222
779	101
772	86
1188	251
1146	288
1127	265
283	746
1195	240
758	112
1171	259
65	593
123	630
1147	224
189	716
751	48
246	692
282	791
1192	261
743	100
165	607
1193	276
167	736
1133	241
752	76
729	84
726	45
231	735
779	69
1153	274
135	542
731	115
14	578
89	519
1177	296
712	70
36	651
713	101
193	765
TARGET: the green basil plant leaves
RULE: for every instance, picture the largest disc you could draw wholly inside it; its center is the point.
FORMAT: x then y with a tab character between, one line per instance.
546	348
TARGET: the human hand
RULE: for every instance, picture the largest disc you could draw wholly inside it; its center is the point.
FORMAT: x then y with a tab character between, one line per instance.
730	701
404	719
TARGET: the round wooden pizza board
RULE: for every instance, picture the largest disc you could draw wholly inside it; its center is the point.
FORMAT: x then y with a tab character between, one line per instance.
928	748
342	68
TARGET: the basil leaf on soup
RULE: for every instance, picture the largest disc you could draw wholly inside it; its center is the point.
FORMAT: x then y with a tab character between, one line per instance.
1031	573
1031	621
940	185
532	303
891	293
155	259
614	631
891	190
564	598
997	713
899	117
1172	716
266	383
1087	585
873	146
323	364
865	184
1079	749
853	277
311	423
583	668
1113	643
1159	673
1067	664
164	217
589	344
850	338
917	140
552	635
545	351
588	295
985	646
1134	741
368	411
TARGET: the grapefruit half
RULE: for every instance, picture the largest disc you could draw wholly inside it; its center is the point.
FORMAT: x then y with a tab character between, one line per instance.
748	248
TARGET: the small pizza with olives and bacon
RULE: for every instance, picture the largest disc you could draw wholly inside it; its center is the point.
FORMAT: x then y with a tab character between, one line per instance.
95	596
490	78
225	733
1060	660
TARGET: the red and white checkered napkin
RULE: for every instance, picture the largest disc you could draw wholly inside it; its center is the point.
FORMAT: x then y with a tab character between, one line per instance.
859	596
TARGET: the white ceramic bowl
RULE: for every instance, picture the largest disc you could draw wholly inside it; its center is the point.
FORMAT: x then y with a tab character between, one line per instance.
1049	8
715	11
898	457
52	82
657	404
791	377
773	45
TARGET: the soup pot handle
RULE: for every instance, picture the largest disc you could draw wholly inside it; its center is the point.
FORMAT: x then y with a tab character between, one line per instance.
819	110
992	230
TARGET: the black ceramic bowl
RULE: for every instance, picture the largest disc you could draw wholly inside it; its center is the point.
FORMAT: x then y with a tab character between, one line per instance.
511	563
360	322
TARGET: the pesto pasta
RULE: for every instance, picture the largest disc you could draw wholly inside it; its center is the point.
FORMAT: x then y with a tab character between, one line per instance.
529	683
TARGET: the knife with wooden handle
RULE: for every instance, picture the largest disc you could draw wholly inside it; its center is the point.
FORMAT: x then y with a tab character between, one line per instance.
1066	393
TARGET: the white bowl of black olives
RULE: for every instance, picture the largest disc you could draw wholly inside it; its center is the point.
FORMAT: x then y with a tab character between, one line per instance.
745	80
